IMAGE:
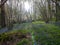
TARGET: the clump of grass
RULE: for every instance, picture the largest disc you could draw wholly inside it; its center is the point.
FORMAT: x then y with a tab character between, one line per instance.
14	35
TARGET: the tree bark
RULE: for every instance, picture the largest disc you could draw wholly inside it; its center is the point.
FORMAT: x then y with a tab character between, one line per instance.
2	16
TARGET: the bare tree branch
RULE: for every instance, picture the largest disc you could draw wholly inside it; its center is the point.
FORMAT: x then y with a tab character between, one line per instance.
2	2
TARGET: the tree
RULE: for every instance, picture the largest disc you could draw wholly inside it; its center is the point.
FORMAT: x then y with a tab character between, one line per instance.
57	10
2	2
57	14
44	10
2	14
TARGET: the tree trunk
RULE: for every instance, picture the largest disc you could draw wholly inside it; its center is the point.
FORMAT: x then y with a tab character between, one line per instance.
2	16
57	11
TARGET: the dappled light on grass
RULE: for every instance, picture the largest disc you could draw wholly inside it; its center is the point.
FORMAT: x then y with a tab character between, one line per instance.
38	22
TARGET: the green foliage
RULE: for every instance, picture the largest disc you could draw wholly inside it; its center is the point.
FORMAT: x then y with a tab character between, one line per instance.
44	34
47	34
14	35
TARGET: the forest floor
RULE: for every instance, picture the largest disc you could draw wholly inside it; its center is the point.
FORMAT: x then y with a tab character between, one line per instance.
35	33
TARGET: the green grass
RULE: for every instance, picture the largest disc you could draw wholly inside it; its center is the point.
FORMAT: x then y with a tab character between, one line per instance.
47	34
44	34
10	36
38	22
